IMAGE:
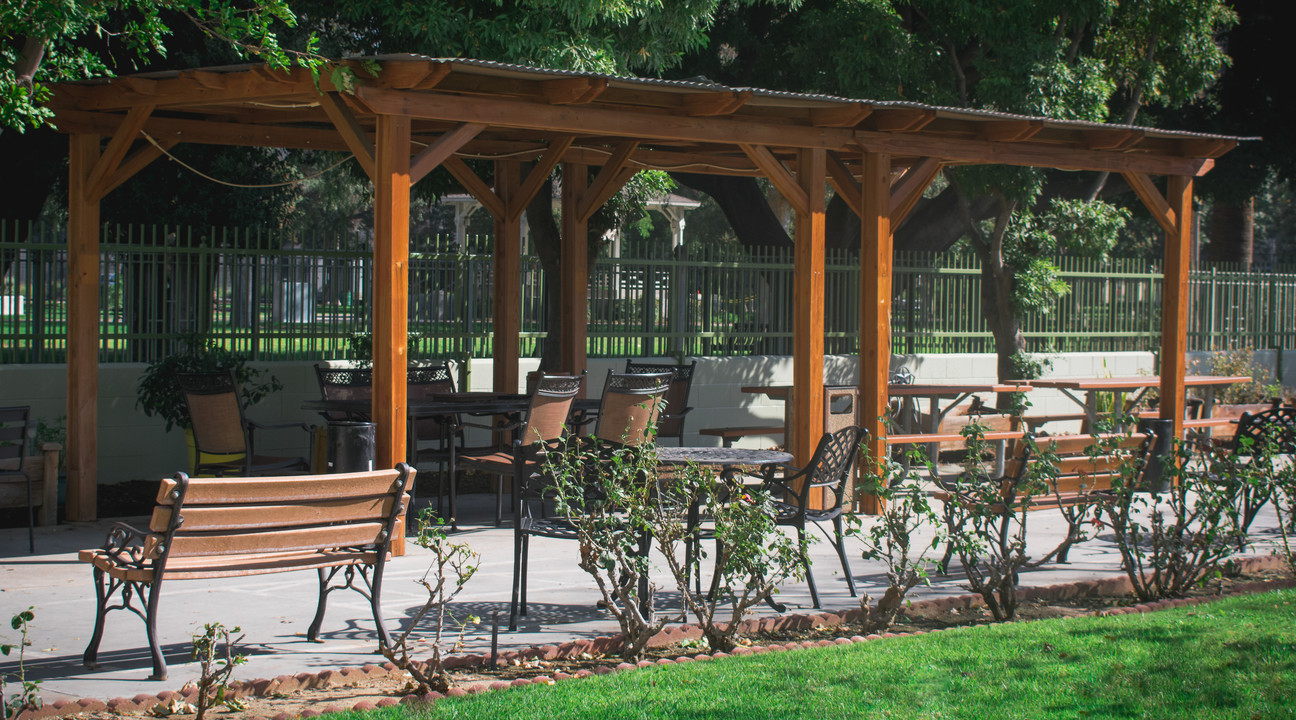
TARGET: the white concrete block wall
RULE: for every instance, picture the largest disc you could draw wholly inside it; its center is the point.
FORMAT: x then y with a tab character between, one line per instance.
133	446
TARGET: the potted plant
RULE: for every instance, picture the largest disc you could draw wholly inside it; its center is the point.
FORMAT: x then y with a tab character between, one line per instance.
159	391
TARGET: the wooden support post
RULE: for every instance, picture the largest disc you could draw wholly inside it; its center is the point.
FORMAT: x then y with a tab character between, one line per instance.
83	330
575	269
875	308
1174	314
391	286
808	309
508	280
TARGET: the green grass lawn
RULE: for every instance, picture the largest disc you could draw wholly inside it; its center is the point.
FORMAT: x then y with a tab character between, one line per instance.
1232	659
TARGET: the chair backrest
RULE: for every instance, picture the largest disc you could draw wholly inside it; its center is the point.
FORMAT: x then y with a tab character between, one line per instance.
1276	426
421	383
215	413
829	468
345	384
629	407
670	423
13	436
551	402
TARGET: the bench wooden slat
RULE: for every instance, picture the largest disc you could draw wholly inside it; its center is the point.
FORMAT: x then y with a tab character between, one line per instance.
923	438
230	565
276	541
252	517
313	488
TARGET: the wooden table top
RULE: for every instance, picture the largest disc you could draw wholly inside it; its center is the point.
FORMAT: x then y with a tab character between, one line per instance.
780	392
1135	383
722	456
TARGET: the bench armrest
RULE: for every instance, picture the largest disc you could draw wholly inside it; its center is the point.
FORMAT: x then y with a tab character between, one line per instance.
128	546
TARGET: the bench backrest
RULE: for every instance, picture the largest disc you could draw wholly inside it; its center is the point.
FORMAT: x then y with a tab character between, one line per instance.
234	516
1084	462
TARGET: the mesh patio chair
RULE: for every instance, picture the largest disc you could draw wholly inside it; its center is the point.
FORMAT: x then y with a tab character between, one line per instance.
432	437
220	429
670	422
14	424
345	384
627	414
829	469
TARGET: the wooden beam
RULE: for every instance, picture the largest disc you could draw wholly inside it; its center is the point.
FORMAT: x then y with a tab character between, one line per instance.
203	132
901	120
1153	200
779	175
909	189
574	278
964	150
1115	139
1174	313
611	177
843	181
83	329
843	116
1206	147
876	255
355	137
445	146
507	321
572	91
475	186
391	287
599	120
118	146
1009	130
713	104
808	309
135	162
539	172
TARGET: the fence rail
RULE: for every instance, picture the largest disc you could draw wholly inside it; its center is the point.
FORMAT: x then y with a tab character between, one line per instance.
273	297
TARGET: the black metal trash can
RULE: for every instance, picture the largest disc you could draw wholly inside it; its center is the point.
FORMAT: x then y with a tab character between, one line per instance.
1161	453
350	446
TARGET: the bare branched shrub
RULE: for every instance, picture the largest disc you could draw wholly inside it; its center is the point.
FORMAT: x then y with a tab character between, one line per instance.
607	496
1170	540
213	648
891	536
452	566
752	557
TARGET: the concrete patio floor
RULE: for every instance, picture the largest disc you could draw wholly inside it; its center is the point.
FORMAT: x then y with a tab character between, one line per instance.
275	610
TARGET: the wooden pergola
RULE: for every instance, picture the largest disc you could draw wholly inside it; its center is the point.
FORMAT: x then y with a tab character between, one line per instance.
421	113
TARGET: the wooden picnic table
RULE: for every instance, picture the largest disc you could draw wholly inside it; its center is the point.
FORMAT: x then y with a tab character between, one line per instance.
1138	385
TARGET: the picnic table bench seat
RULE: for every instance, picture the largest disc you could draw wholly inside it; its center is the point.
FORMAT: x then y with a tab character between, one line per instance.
235	527
728	435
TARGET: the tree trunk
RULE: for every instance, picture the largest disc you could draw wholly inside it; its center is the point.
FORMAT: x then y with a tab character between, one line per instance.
547	239
1232	232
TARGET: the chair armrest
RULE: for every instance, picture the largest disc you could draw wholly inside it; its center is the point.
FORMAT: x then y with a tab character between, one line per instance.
281	426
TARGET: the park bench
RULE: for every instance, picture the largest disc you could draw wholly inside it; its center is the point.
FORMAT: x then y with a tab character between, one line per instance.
1085	466
234	527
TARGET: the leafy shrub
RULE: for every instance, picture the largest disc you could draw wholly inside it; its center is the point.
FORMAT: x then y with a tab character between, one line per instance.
159	392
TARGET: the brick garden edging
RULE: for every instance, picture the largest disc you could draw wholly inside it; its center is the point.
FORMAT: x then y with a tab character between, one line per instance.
285	684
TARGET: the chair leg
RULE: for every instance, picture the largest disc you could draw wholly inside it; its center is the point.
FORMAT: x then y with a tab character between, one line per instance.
312	633
526	559
91	657
519	541
840	542
150	624
375	601
31	518
805	562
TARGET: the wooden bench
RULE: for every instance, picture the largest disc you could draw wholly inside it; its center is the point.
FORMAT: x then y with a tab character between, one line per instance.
233	527
730	435
1086	465
43	471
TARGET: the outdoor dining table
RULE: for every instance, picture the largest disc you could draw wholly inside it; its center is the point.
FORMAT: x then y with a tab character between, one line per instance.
1091	388
476	403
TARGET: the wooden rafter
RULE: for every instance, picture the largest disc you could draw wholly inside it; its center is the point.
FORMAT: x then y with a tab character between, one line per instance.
1009	130
779	175
476	186
106	167
1119	139
135	162
355	137
713	104
901	120
844	182
612	177
539	172
445	146
1152	198
848	115
572	91
908	189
